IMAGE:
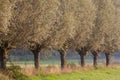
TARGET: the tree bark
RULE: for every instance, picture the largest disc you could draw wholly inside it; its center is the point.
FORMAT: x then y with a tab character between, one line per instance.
0	57
36	52
82	53
107	55
82	56
63	59
36	60
95	58
3	58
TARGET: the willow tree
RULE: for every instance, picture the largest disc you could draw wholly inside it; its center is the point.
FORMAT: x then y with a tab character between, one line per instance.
65	29
96	38
117	22
85	15
110	30
15	34
105	32
36	19
5	15
112	39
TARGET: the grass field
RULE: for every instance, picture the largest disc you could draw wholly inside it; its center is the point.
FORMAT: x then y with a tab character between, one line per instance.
98	74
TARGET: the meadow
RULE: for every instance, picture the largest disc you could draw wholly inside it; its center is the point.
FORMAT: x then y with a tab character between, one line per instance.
55	73
50	70
98	74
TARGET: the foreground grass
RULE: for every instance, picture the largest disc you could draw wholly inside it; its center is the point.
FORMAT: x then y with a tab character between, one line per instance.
4	77
98	74
87	74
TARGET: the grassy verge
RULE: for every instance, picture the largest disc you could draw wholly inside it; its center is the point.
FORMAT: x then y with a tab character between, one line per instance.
13	73
4	77
99	74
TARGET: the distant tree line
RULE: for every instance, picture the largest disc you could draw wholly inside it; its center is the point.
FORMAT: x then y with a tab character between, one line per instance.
84	26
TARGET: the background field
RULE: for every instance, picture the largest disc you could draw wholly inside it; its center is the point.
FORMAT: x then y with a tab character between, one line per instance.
26	59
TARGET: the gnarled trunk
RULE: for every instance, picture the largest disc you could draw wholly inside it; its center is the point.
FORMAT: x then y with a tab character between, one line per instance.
95	58
107	55
63	59
3	58
36	53
82	53
36	60
82	56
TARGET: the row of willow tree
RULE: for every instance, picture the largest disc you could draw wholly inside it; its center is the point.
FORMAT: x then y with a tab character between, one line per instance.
85	26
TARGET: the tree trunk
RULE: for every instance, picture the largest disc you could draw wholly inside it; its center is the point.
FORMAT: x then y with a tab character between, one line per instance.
82	56
95	59
3	59
63	59
82	53
36	60
36	53
0	57
107	55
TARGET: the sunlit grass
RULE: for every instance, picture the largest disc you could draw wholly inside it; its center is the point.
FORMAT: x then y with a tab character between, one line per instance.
98	74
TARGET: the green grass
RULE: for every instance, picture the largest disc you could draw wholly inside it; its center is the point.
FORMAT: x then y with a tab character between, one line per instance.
99	74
